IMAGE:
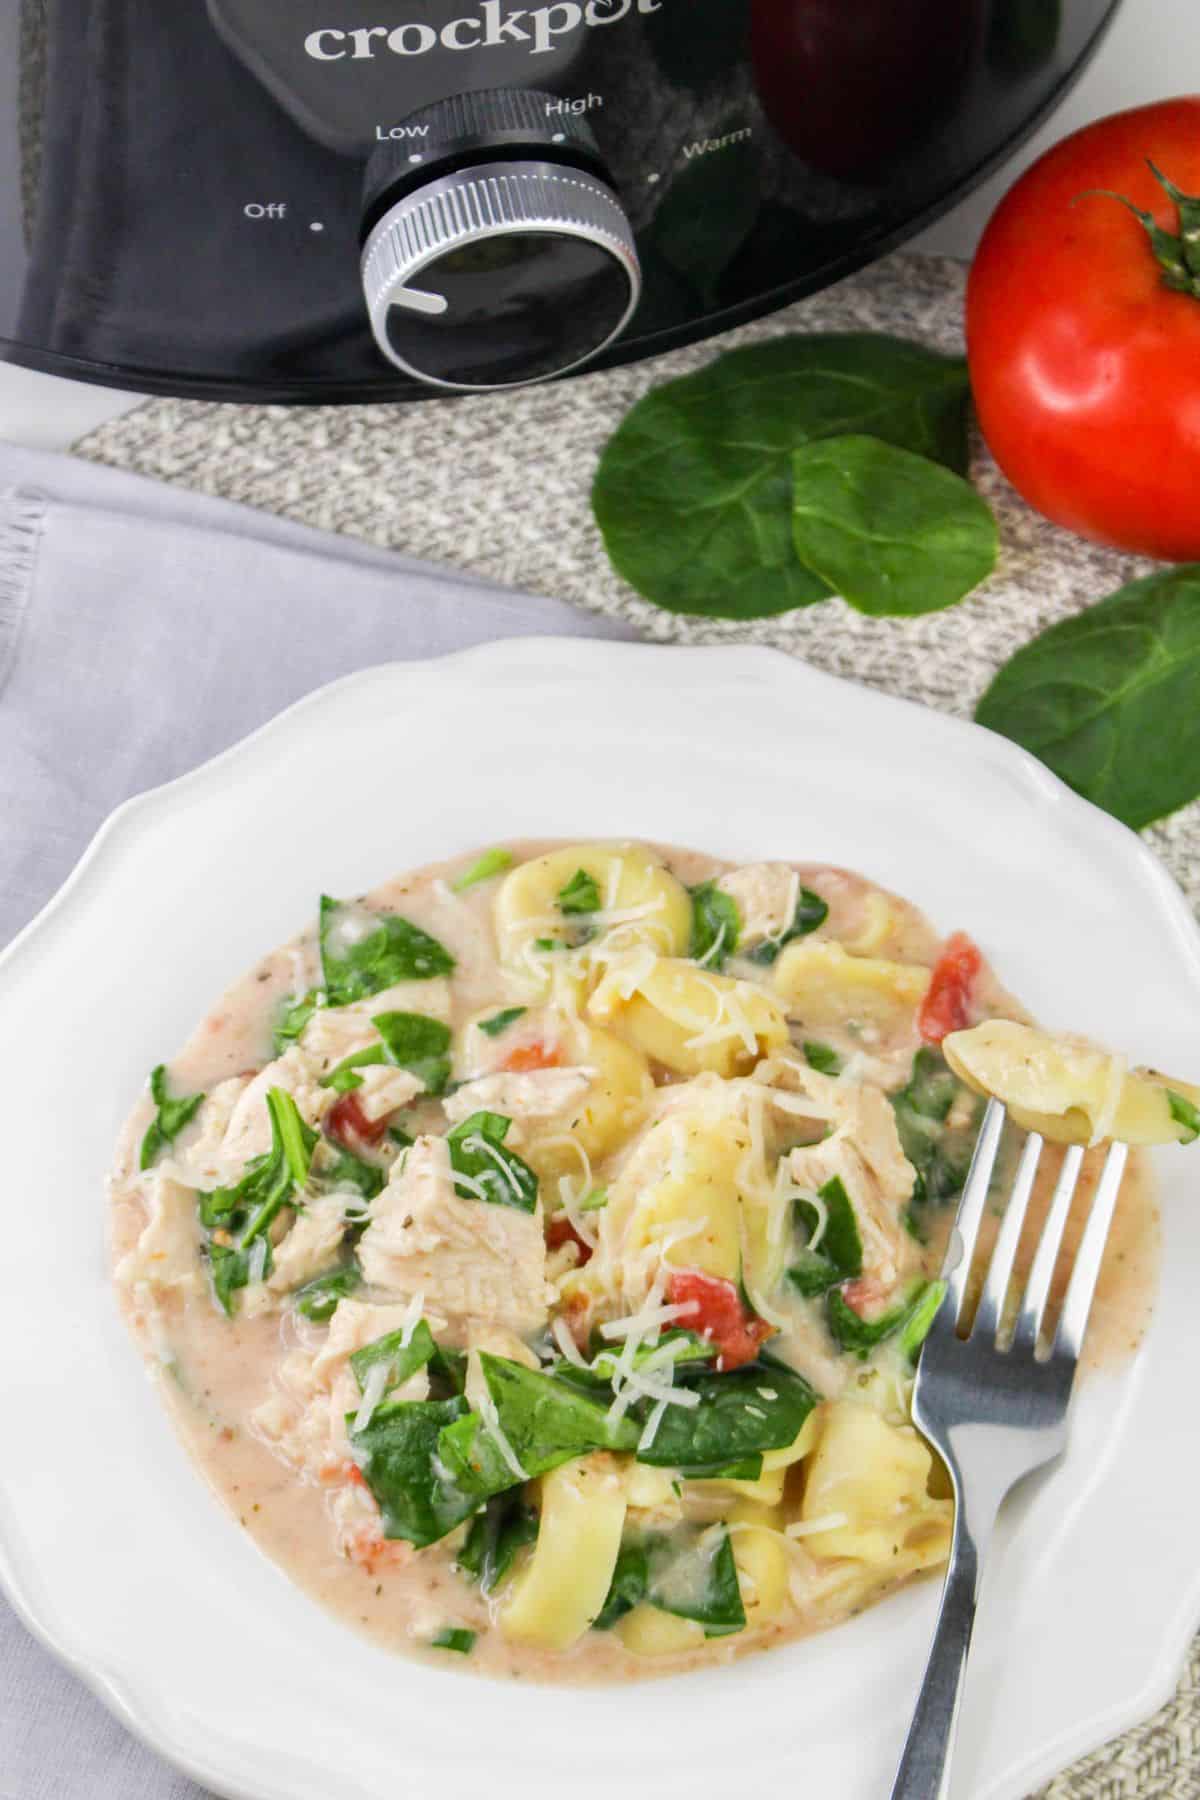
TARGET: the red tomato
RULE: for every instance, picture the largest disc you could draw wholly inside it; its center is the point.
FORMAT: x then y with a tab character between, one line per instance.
531	1056
1085	365
719	1316
347	1121
947	1003
560	1231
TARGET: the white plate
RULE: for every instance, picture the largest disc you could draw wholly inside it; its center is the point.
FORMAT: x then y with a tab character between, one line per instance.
110	1545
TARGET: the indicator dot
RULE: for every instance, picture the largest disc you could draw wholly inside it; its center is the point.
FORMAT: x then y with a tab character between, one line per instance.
416	157
316	225
560	137
653	178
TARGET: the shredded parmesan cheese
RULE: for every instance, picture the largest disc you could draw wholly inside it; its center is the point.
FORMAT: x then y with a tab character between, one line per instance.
373	1392
809	1527
491	1421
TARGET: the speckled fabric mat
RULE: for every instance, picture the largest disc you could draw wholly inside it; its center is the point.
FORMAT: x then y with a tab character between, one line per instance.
500	487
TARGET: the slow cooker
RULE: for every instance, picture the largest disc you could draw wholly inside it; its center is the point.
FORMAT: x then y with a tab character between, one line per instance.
354	200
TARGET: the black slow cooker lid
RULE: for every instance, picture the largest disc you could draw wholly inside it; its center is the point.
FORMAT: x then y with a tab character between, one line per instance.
180	196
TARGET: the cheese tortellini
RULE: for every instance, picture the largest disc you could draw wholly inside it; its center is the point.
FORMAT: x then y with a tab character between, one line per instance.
1070	1091
867	1493
561	1589
823	985
692	1021
680	1190
543	904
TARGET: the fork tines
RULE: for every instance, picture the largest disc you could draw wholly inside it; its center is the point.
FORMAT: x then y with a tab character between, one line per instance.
1029	1332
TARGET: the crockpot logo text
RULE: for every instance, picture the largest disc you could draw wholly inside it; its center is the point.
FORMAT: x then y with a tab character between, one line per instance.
538	26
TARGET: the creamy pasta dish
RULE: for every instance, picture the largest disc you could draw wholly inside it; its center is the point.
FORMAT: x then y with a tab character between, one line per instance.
536	1252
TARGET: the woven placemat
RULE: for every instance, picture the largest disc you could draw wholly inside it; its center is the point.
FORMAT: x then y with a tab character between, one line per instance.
500	486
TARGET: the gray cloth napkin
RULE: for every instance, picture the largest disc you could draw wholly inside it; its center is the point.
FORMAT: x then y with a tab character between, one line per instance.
141	631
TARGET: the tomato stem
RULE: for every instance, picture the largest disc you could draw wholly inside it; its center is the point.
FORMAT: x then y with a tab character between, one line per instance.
1178	252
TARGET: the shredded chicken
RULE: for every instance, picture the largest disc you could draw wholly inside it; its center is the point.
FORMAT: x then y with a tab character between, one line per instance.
165	1253
385	1090
765	895
249	1131
470	1259
304	1418
864	1152
335	1032
549	1098
310	1245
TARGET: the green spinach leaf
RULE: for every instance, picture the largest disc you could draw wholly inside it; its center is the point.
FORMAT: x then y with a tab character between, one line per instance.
760	1407
477	1152
922	1313
840	1255
411	1041
579	895
340	1168
496	1536
693	492
318	1299
823	1058
932	1087
810	912
397	1453
545	1420
628	1588
402	1359
345	1077
170	1119
940	1155
363	953
889	531
1108	699
419	1044
490	864
293	1016
502	1020
1185	1114
716	925
237	1219
698	1580
911	1319
689	1349
454	1637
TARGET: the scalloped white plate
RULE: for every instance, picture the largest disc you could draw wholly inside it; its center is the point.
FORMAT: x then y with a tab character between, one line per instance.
110	1545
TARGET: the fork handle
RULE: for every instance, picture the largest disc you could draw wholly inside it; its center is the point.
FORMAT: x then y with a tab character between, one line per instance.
924	1772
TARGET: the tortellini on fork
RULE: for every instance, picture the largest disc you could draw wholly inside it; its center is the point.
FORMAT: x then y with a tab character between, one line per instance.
1071	1091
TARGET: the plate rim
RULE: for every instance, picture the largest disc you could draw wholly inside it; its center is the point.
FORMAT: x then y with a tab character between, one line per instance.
132	1703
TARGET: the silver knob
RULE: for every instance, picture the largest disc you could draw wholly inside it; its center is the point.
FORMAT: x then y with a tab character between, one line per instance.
500	255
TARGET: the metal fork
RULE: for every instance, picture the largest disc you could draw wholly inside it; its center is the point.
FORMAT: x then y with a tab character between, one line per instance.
995	1411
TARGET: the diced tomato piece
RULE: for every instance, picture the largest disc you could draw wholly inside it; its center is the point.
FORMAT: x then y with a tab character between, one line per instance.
947	1005
560	1231
336	1474
577	1311
347	1122
718	1315
864	1296
531	1056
